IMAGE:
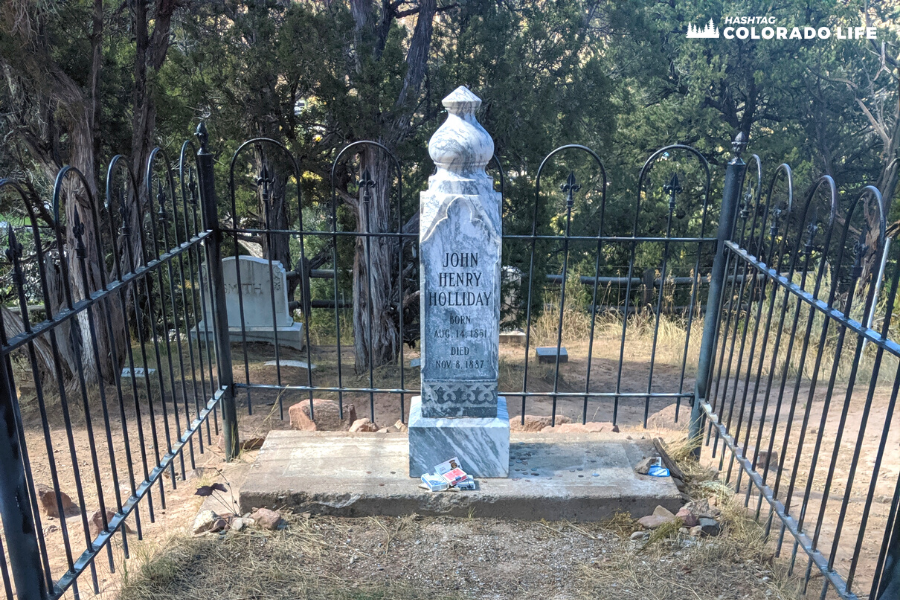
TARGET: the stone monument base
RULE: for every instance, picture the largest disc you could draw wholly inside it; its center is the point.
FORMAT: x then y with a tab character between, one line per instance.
292	336
481	444
574	476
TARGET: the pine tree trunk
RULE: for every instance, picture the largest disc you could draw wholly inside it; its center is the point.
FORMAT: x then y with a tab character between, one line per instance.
376	339
82	285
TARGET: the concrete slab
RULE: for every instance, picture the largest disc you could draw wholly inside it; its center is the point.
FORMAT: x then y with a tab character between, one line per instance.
584	477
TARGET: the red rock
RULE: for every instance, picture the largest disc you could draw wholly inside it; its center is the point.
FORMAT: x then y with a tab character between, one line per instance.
300	418
327	416
687	517
363	425
654	521
49	506
267	519
96	522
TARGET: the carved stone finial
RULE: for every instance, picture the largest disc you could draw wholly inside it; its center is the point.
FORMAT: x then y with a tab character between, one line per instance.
461	145
739	144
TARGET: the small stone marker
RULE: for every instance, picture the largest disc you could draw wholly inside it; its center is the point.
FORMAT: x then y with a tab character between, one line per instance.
300	364
548	354
255	292
459	412
512	338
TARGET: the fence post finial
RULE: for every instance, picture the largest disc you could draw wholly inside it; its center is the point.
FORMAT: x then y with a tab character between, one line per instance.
739	144
203	137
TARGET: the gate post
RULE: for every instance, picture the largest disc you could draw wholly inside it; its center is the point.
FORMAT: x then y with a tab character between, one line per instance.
734	175
15	505
219	314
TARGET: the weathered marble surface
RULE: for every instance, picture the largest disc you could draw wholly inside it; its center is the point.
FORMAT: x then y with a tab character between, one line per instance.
460	241
481	444
256	293
460	233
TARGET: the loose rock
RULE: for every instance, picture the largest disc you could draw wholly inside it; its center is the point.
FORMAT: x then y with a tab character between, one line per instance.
400	426
327	415
639	535
49	506
643	467
709	527
687	517
96	522
206	521
238	524
267	519
363	425
654	521
661	515
662	511
703	508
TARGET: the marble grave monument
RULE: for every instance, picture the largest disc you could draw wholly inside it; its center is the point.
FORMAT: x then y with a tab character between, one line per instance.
459	412
256	293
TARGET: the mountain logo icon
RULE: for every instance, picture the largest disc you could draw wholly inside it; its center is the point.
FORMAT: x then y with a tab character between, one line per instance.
710	31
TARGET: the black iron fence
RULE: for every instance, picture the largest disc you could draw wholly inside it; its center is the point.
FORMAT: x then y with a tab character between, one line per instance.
102	390
145	330
804	306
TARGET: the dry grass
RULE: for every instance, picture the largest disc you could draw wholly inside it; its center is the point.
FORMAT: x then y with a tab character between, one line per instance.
255	564
332	558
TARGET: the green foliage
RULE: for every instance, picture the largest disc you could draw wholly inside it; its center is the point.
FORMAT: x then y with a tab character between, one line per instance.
617	76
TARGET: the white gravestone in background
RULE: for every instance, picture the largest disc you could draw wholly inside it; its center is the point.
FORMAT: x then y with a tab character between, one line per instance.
459	412
256	289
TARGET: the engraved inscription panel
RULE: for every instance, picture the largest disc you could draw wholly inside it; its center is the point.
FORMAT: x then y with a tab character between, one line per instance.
461	310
